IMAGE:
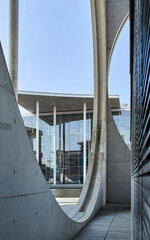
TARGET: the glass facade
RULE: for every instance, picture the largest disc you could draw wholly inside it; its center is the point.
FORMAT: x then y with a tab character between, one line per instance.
69	145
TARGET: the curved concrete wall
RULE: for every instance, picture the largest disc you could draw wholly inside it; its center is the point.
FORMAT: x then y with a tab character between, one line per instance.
28	208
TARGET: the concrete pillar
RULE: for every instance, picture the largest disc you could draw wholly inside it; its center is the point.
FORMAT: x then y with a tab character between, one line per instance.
84	142
54	143
13	43
37	130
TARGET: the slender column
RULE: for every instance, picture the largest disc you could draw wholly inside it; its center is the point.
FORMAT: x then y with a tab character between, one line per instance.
64	165
60	147
13	43
84	142
54	143
37	130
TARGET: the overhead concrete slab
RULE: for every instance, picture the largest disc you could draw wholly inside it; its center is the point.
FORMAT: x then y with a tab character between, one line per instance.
63	102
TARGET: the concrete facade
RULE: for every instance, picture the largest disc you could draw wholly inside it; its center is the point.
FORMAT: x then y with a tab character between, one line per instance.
28	208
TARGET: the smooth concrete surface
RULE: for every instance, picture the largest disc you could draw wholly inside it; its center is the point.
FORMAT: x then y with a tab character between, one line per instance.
118	165
67	204
66	190
13	43
65	186
60	193
111	223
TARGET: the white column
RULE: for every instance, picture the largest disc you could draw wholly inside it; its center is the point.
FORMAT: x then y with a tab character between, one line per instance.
37	130
54	143
84	143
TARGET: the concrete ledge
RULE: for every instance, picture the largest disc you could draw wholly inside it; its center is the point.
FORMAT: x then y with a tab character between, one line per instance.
67	193
66	190
66	186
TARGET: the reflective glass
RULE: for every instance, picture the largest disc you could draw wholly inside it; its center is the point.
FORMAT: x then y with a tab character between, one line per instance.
69	145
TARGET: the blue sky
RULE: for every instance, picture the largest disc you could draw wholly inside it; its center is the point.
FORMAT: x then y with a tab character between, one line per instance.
56	49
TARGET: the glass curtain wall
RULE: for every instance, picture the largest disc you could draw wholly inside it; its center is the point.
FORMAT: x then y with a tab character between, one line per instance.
69	145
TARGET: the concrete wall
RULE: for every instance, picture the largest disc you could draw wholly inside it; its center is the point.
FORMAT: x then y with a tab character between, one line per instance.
118	154
118	165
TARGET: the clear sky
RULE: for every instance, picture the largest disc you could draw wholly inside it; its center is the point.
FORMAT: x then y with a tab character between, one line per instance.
56	49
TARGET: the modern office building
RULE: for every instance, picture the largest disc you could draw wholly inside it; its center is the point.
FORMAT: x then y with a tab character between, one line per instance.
73	132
